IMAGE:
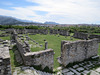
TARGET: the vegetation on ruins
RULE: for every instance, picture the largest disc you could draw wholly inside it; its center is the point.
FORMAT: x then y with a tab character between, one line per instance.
86	29
54	41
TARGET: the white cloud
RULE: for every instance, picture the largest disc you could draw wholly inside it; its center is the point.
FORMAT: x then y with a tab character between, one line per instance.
61	11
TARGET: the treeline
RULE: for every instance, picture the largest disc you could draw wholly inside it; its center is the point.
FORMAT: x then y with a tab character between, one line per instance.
86	29
21	27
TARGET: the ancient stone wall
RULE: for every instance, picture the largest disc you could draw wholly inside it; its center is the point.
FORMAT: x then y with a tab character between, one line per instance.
53	31
42	58
9	30
64	33
60	32
80	35
77	51
5	67
24	31
35	31
40	31
95	36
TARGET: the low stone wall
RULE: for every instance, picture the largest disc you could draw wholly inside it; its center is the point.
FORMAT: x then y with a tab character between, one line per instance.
35	31
95	36
53	31
77	51
43	58
80	35
64	33
24	31
60	32
5	67
40	31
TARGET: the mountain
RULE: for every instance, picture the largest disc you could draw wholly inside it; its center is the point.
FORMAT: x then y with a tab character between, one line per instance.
8	20
51	23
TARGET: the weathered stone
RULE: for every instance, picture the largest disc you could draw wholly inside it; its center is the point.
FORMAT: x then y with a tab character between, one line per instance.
95	36
80	35
80	69
78	50
46	45
75	66
5	68
94	73
65	70
77	73
69	73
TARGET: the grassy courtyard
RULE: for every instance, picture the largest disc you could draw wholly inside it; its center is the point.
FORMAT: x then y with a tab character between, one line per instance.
54	42
4	38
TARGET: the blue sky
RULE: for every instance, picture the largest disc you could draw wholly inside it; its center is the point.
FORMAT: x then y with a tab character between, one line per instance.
60	11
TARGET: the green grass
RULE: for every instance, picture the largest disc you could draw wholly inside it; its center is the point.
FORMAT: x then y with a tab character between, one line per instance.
54	42
1	32
5	38
97	33
13	61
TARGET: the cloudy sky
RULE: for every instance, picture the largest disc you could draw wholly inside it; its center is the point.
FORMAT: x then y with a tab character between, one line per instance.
60	11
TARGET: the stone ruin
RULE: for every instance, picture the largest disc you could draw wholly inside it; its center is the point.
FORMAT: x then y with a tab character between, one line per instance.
40	31
95	36
77	51
80	35
4	34
71	52
5	67
31	31
44	58
53	31
60	32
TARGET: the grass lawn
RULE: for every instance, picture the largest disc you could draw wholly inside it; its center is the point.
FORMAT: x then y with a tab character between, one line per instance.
13	61
5	38
54	42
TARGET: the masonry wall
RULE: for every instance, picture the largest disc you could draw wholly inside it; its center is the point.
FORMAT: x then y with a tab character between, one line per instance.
40	31
23	31
77	51
95	36
44	58
80	35
5	67
60	32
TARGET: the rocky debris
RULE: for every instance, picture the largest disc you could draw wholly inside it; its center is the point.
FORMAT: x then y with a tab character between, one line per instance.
94	73
23	70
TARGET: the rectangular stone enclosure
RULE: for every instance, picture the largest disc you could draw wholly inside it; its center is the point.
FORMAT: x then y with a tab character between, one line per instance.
77	51
44	58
